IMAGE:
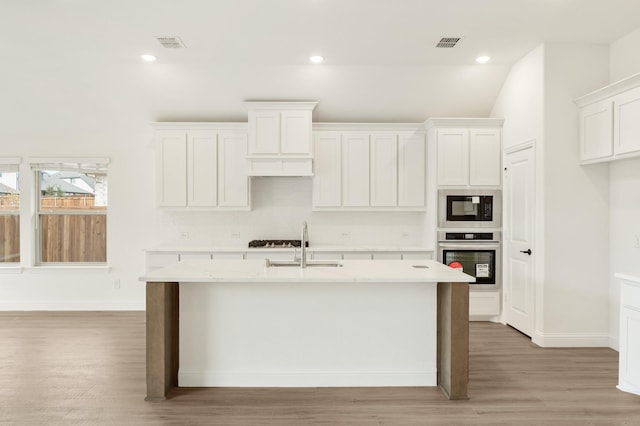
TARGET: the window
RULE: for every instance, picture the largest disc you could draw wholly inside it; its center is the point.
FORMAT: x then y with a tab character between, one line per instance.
71	224
9	211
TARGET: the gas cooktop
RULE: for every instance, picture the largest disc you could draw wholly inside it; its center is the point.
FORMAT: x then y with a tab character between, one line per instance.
275	243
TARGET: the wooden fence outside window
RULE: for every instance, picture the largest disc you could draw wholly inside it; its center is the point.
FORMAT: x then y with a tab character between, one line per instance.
64	237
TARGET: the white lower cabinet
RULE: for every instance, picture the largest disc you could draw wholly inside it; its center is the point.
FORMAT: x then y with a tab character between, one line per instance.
629	369
484	305
202	168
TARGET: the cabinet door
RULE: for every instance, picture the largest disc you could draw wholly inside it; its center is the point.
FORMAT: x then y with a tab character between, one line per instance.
596	132
233	182
411	170
172	169
355	170
327	185
264	132
202	169
453	156
626	115
295	131
485	154
384	169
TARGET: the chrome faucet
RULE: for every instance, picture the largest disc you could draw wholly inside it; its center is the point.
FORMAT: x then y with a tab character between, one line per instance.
303	245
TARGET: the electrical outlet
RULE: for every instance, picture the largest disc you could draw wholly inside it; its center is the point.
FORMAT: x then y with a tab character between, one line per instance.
637	244
235	235
184	235
116	284
405	235
345	235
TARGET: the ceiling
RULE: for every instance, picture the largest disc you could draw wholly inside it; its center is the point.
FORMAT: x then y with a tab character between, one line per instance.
380	59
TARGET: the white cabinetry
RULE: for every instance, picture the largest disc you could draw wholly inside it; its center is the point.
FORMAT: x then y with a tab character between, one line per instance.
384	169
610	122
629	371
280	138
355	170
469	154
202	166
369	167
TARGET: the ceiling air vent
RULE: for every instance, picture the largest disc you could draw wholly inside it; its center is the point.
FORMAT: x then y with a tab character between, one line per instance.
448	42
170	42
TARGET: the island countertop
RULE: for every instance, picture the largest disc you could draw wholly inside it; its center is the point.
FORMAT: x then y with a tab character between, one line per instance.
366	271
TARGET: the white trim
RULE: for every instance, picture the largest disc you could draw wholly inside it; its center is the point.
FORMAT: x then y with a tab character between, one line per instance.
213	126
628	387
72	305
305	378
608	91
68	160
10	160
630	278
571	340
279	106
369	127
614	343
521	146
66	268
463	122
10	268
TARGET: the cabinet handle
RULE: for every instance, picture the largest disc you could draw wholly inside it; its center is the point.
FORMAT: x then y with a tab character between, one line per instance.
528	251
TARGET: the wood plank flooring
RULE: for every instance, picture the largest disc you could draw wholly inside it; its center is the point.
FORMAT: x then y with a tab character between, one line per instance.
71	368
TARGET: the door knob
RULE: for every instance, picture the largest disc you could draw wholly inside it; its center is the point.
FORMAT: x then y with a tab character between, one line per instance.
528	251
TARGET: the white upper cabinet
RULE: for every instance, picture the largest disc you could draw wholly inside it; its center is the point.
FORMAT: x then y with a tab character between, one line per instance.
327	174
596	131
295	128
264	132
172	162
411	170
384	169
202	168
369	167
469	154
610	122
355	170
453	156
280	138
626	122
233	182
485	157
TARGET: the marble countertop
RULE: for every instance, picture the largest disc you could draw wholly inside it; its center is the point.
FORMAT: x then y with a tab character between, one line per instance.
366	271
317	248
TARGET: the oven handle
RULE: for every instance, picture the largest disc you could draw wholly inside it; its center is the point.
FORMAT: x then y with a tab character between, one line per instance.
470	246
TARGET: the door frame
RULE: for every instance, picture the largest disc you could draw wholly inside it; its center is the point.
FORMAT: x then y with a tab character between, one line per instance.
506	232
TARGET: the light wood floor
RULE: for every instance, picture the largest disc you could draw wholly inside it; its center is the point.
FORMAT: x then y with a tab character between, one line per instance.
88	369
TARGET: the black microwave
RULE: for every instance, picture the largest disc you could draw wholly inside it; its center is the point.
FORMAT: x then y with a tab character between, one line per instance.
469	208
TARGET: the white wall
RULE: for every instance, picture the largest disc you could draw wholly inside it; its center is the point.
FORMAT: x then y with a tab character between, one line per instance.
624	56
537	103
575	204
521	104
75	109
624	190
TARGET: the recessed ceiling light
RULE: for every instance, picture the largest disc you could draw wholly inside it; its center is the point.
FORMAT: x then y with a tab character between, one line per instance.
483	59
316	59
148	58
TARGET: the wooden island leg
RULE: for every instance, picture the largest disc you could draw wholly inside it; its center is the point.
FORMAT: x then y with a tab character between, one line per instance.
162	339
453	339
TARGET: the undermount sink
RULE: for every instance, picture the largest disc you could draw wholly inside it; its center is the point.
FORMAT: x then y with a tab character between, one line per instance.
293	263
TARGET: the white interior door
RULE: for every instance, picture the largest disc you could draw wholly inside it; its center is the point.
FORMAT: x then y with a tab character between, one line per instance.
518	239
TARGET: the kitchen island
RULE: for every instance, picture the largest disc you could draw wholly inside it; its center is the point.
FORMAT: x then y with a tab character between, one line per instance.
249	323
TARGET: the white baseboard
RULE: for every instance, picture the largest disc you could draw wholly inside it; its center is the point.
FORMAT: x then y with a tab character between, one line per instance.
570	340
305	378
614	343
75	305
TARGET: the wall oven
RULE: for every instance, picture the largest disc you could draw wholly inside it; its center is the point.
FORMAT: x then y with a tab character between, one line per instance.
469	208
479	253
